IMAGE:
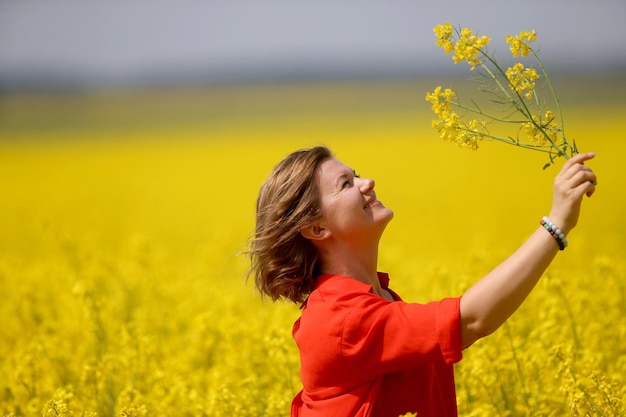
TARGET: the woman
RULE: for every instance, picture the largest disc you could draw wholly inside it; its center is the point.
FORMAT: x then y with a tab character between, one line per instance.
363	351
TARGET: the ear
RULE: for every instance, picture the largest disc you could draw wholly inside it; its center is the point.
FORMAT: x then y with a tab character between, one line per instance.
315	231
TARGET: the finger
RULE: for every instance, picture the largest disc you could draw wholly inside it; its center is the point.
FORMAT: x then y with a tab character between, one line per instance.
594	182
583	182
571	168
590	192
587	188
593	178
592	175
574	161
581	175
580	158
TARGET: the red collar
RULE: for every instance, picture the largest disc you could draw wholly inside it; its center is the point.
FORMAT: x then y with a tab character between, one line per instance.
351	283
383	278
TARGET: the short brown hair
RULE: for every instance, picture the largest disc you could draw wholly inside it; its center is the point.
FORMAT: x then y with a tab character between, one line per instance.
283	262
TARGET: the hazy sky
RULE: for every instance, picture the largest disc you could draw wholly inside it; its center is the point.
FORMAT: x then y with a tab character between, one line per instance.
121	40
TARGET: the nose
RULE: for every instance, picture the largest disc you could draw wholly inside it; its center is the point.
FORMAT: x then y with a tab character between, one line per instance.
366	185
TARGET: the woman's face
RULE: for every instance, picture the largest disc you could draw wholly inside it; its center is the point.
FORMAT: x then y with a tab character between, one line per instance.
350	208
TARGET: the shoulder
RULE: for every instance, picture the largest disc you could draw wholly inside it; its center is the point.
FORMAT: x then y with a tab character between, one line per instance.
339	290
334	300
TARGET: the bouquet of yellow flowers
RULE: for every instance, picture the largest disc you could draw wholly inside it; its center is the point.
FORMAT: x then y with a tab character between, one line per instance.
515	88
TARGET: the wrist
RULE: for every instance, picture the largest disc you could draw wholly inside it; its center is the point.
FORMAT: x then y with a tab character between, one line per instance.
561	223
556	232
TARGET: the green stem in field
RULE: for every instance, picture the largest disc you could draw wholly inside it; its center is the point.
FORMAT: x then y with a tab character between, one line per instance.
517	92
494	77
522	107
559	151
571	316
509	140
518	102
516	99
518	365
557	103
555	97
477	110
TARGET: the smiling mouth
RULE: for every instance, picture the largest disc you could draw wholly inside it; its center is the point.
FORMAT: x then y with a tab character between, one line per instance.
373	203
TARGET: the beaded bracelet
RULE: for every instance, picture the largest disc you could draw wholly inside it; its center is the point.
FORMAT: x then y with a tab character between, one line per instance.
556	233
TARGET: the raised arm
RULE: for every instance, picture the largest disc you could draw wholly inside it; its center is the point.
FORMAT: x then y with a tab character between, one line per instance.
493	299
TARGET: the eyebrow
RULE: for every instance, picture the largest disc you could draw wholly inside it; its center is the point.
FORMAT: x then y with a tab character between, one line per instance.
345	176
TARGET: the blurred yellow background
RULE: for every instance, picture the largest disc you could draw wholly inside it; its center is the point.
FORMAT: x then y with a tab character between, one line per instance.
134	137
123	215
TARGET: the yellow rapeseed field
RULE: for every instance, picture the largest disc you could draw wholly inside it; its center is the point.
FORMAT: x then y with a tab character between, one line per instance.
122	291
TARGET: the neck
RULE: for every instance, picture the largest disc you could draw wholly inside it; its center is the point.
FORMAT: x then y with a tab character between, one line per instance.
359	264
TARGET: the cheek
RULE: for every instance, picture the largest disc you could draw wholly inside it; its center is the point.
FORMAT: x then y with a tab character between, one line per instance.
336	215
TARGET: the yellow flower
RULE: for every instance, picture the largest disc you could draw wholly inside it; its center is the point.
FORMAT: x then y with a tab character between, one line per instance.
471	133
466	48
533	132
539	131
444	33
467	139
478	126
522	79
441	100
520	44
447	125
451	129
551	127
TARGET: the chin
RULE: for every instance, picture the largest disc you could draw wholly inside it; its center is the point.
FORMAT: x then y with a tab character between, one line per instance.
387	215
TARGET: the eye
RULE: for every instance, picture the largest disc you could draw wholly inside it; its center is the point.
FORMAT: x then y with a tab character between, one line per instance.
350	181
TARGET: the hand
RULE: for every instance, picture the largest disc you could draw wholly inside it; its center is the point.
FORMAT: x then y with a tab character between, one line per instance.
570	185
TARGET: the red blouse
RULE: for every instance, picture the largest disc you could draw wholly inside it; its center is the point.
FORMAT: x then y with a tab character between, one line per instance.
364	356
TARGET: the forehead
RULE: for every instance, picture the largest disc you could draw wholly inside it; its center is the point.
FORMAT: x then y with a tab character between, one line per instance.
331	169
